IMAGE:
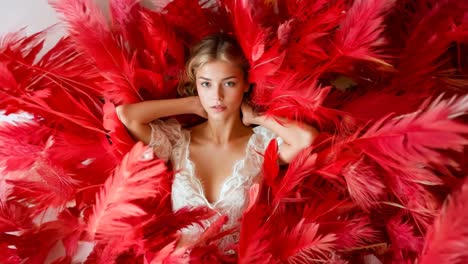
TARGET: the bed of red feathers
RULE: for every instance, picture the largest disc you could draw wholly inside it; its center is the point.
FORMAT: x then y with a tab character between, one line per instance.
384	81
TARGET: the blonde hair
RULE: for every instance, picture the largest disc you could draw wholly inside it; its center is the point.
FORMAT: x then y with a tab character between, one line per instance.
214	47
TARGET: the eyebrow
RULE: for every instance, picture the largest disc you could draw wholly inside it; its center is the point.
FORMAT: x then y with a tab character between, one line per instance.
208	79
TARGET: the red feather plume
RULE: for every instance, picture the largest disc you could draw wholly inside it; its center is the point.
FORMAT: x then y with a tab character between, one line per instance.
430	66
360	31
74	97
447	240
137	178
89	30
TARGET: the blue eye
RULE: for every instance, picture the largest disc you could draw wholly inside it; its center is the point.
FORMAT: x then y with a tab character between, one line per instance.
230	84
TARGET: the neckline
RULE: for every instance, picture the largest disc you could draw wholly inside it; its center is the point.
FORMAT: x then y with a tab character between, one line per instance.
193	175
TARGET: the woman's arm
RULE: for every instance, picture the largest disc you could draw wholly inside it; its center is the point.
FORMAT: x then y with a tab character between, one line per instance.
136	117
296	136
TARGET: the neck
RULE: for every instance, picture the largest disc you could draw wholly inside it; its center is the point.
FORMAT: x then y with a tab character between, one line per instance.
222	131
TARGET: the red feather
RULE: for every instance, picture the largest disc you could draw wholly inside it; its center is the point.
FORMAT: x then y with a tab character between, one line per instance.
162	228
87	157
14	45
400	146
115	250
14	217
364	184
206	249
22	144
163	254
210	254
270	167
213	231
73	228
250	33
59	163
356	233
360	32
304	35
158	51
429	66
447	240
125	14
266	66
301	167
137	178
299	100
378	104
43	186
424	33
35	244
404	239
263	53
301	9
305	244
165	49
89	30
9	254
255	240
38	180
194	20
74	99
412	139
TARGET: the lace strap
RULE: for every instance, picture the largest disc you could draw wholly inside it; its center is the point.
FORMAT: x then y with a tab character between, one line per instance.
164	136
266	136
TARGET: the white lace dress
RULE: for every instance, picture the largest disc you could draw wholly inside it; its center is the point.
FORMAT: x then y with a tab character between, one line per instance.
171	142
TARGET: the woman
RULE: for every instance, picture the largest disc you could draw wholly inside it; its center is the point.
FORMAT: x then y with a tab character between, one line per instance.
218	160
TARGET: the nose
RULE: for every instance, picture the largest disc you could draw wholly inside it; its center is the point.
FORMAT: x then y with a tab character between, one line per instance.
219	93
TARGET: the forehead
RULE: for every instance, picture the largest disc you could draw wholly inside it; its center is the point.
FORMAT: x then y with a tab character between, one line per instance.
219	69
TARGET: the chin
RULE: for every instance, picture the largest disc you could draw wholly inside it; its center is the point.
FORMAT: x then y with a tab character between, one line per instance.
219	116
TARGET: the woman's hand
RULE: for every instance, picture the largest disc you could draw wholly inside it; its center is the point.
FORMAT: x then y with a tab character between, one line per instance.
198	108
248	114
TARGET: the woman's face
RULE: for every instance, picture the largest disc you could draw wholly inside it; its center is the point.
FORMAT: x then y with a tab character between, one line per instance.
221	87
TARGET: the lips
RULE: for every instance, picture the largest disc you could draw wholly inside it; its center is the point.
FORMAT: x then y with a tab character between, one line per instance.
218	108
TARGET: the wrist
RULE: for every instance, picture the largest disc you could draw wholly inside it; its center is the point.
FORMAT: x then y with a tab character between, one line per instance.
191	104
195	106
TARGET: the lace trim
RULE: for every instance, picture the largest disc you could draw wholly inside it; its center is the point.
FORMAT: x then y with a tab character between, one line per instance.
235	175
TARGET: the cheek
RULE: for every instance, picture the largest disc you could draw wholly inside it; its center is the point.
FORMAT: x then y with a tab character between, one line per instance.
239	92
236	96
203	96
